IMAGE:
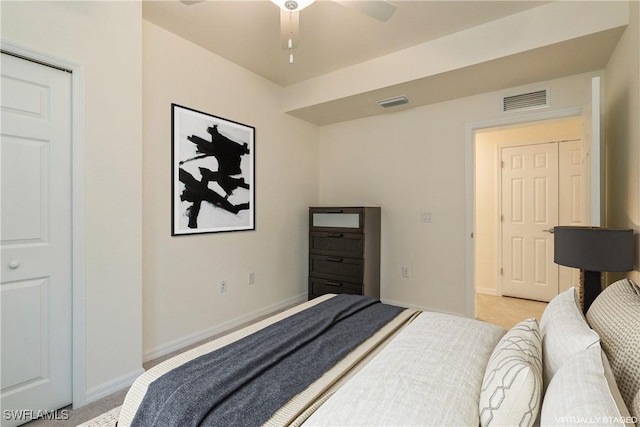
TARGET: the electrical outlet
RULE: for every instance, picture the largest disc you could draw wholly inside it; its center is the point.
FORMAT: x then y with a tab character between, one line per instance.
406	271
223	286
426	216
252	278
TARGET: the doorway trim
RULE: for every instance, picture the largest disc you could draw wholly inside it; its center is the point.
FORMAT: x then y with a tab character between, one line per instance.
78	326
470	129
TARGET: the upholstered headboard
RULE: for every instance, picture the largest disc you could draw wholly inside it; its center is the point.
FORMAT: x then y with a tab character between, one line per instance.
615	316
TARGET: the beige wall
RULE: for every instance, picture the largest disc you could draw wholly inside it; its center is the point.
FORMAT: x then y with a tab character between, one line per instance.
105	38
622	129
412	161
181	274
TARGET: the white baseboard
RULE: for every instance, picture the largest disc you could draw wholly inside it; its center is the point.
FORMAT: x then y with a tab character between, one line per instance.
190	339
488	291
112	386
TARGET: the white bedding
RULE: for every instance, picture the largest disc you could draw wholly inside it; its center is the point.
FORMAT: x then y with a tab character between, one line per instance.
428	369
434	363
430	374
298	408
139	387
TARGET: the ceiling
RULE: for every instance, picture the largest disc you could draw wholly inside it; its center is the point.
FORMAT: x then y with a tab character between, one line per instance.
333	37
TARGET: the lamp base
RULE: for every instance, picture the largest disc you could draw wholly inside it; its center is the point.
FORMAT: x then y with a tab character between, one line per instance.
590	288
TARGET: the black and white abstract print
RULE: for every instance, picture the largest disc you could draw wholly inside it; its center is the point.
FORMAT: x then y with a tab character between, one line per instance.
213	173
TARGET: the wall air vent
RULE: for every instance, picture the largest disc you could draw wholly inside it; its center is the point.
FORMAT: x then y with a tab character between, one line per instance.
526	101
392	102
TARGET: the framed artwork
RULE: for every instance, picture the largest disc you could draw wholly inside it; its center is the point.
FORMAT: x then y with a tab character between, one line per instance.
213	173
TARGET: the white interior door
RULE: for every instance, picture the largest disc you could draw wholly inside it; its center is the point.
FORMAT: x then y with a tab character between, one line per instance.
529	212
35	290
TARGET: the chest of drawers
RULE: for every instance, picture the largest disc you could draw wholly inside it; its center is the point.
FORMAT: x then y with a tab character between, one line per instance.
344	251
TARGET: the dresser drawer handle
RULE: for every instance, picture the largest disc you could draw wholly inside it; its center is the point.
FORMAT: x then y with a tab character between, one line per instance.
338	284
335	235
333	259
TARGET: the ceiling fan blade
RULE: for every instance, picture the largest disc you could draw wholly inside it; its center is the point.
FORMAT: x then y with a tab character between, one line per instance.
289	25
190	2
381	10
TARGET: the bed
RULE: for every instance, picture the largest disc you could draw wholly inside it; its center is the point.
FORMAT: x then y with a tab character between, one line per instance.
342	360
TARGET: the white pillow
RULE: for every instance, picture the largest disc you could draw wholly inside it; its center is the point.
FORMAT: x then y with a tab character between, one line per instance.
564	331
581	393
512	386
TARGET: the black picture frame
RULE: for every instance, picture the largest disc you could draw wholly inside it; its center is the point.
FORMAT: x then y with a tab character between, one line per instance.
213	173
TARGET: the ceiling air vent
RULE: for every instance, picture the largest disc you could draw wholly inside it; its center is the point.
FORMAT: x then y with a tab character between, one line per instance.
392	102
526	101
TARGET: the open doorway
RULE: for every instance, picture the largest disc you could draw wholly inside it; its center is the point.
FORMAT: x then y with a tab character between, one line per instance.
528	179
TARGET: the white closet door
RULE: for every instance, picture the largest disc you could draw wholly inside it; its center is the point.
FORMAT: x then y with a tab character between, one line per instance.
530	211
36	240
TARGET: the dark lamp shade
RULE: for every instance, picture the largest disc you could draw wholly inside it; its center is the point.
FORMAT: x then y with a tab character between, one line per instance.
594	248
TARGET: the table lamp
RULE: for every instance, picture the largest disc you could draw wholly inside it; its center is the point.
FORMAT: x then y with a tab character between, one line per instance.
593	250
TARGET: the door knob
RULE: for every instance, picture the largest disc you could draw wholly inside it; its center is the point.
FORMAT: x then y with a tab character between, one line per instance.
14	264
550	230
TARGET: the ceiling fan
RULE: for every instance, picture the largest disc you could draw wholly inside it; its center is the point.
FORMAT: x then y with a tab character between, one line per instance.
381	10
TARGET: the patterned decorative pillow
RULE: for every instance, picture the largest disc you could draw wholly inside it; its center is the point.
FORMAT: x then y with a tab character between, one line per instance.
582	392
512	386
564	331
615	316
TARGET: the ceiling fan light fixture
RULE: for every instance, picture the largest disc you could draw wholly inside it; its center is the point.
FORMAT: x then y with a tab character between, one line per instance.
292	5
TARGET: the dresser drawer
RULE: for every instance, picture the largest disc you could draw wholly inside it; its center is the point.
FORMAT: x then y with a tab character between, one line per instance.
337	244
319	287
349	220
335	267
